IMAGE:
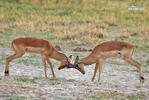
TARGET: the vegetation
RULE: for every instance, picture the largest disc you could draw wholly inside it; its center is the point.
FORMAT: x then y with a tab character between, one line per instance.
27	80
74	22
71	23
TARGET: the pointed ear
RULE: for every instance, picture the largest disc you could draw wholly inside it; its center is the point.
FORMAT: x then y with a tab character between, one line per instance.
76	60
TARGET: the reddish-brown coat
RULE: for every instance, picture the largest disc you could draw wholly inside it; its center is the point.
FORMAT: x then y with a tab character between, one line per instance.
34	45
112	45
107	50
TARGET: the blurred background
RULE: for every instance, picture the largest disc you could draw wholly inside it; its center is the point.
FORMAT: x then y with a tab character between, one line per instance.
71	23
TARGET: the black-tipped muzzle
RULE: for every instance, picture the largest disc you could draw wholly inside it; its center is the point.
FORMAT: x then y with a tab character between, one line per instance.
76	67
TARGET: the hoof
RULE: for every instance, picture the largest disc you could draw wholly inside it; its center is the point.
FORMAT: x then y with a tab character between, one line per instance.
6	73
92	80
142	79
54	76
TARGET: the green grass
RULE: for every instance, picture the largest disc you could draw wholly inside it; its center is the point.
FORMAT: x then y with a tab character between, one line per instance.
146	71
12	97
33	81
3	58
28	62
134	97
74	22
126	69
116	95
33	11
135	70
115	62
146	63
56	81
95	98
16	98
138	87
71	80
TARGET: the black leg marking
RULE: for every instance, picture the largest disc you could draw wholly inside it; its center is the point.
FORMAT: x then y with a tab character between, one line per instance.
6	72
142	78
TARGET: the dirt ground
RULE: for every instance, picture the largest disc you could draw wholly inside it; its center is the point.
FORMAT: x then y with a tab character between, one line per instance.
26	81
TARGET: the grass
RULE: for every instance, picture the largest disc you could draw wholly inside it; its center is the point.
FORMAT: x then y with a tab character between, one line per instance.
146	63
126	69
12	97
116	95
135	70
16	98
3	58
72	22
115	62
31	59
95	98
138	87
33	81
56	81
71	80
133	97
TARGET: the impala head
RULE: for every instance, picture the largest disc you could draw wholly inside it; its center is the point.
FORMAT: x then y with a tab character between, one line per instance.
66	63
78	65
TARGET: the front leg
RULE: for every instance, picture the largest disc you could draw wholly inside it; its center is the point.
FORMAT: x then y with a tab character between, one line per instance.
96	67
100	69
49	62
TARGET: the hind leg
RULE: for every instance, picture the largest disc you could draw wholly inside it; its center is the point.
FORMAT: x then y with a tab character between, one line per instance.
100	69
95	70
138	66
9	59
44	64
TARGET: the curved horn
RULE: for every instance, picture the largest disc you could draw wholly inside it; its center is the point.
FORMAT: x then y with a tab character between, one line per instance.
67	61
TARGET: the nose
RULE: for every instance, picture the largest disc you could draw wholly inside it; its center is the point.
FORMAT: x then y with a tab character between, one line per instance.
83	72
59	68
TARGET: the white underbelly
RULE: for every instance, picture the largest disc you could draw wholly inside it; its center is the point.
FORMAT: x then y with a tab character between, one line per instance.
33	49
110	54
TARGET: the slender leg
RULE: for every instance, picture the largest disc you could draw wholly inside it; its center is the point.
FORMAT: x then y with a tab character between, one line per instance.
139	67
96	67
50	66
100	69
9	59
44	63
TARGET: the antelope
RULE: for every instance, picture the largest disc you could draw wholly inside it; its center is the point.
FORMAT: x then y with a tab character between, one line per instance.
42	47
107	50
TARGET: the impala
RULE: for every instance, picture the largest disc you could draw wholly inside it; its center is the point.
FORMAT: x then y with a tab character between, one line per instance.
42	47
108	50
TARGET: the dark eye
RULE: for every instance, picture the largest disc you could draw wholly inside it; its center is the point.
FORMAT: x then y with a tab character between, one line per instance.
66	65
77	65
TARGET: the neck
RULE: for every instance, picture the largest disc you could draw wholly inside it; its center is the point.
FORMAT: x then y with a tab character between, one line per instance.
58	56
88	60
